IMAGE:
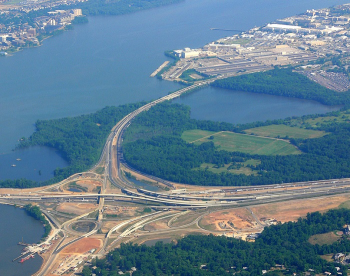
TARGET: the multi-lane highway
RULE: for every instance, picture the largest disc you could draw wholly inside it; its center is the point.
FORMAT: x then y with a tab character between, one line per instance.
110	160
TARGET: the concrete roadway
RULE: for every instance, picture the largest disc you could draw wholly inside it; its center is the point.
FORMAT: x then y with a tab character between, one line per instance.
115	177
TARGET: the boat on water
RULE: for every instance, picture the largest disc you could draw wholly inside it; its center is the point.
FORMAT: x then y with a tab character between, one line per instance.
26	258
18	159
13	165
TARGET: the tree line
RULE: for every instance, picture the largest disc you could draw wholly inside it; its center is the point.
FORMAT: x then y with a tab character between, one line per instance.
153	145
35	212
283	246
284	82
79	140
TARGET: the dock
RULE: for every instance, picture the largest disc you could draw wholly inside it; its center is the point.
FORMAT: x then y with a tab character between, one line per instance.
165	63
226	30
23	255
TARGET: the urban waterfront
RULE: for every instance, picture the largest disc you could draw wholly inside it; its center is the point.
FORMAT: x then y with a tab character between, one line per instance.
108	62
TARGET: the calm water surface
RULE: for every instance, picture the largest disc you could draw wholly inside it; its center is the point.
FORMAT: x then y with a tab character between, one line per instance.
15	225
31	163
108	61
239	107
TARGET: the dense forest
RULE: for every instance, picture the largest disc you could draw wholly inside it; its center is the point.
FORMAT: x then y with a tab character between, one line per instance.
35	212
282	247
79	140
153	145
284	82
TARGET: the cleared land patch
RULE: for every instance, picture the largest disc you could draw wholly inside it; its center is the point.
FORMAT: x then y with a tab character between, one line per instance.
75	208
281	131
237	168
83	245
229	220
321	239
231	141
195	134
297	208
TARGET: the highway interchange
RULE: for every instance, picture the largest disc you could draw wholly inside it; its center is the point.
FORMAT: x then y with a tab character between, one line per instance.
165	204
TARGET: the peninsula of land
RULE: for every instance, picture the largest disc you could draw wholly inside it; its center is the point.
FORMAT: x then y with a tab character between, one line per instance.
315	43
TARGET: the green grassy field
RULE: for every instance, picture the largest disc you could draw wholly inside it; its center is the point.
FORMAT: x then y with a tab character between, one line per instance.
345	205
343	118
327	238
283	131
192	135
230	141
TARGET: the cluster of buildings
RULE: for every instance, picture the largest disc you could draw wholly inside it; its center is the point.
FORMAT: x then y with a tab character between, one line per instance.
35	5
16	36
58	18
24	35
300	39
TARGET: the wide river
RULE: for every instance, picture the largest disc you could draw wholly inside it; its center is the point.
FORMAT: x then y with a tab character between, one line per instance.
108	62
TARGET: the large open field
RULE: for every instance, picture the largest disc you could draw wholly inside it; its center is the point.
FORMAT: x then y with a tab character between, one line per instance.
195	134
231	141
283	131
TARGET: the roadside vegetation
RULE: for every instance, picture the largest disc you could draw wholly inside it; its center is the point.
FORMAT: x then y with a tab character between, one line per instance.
35	212
75	186
191	75
280	250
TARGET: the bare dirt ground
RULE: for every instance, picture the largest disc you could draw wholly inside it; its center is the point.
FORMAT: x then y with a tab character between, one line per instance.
292	210
108	225
76	208
229	220
157	225
122	211
19	191
82	246
240	221
91	185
